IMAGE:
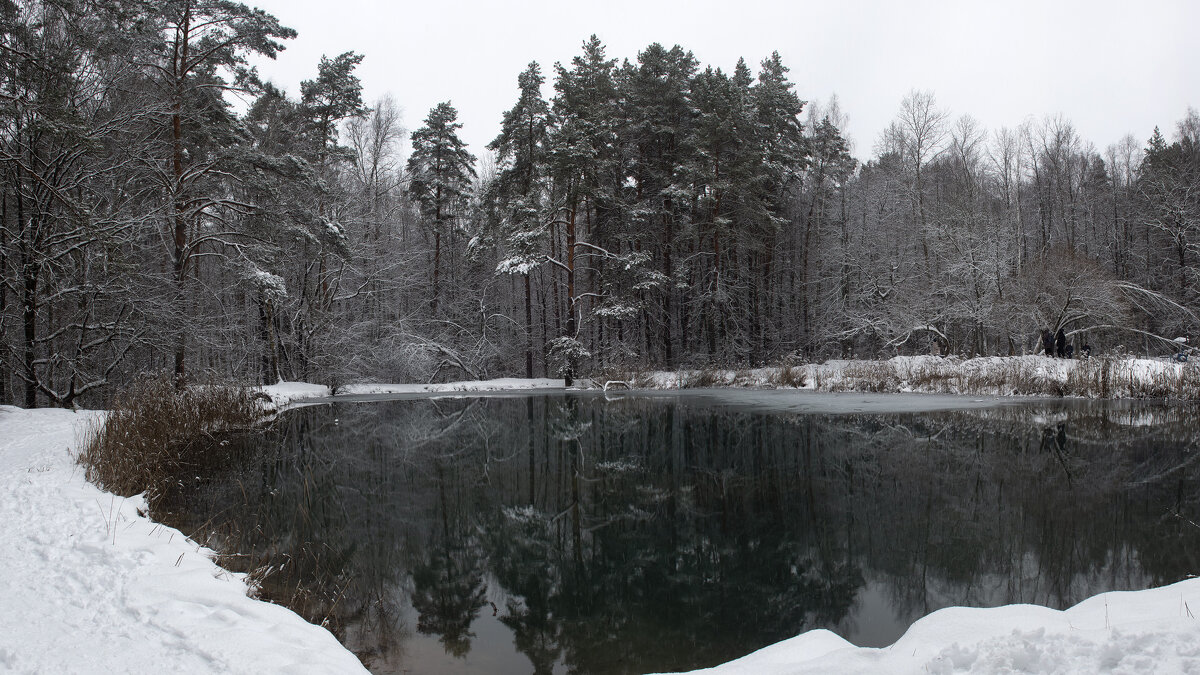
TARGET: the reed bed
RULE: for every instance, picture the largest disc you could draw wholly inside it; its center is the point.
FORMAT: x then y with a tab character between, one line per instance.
153	432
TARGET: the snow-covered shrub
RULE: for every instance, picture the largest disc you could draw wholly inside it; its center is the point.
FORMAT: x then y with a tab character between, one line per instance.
566	354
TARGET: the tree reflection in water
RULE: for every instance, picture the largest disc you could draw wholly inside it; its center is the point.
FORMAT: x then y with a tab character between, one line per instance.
669	533
448	587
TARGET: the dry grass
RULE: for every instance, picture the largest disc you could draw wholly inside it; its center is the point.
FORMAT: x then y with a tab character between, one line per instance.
700	379
1092	378
1095	378
643	380
873	376
153	432
795	377
1188	385
1009	379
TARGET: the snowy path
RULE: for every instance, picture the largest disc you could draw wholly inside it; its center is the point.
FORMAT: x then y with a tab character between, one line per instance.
89	586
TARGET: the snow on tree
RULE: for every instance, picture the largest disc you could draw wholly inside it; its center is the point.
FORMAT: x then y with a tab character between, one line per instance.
440	173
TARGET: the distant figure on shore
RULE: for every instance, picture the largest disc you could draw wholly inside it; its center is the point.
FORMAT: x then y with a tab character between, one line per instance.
1047	342
1060	344
1085	352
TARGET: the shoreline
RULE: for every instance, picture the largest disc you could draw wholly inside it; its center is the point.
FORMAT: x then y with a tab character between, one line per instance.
1005	377
86	563
91	583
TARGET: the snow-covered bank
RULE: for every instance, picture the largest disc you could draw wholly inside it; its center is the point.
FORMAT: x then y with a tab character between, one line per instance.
1108	377
1151	631
287	394
91	585
501	384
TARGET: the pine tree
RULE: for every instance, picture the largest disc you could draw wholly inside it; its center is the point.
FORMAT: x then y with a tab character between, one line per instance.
521	150
286	189
659	131
583	144
440	171
203	39
779	136
334	96
777	118
830	166
1167	184
722	119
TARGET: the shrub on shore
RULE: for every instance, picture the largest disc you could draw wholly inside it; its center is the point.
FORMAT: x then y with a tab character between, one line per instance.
153	431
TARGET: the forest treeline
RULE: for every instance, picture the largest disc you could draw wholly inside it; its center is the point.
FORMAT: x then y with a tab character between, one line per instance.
162	209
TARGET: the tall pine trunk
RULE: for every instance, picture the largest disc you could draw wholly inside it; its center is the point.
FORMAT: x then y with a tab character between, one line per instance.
572	326
182	43
528	328
4	372
29	299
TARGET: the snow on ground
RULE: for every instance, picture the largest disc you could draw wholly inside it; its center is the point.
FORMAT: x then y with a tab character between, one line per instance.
91	586
501	384
1152	631
285	394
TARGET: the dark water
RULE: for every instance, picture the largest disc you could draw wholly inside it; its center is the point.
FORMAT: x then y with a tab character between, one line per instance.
577	534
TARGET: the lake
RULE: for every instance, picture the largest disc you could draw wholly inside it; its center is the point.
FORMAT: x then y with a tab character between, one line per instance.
555	533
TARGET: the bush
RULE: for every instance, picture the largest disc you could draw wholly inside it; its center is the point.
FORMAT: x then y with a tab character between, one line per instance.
871	376
795	377
700	379
153	432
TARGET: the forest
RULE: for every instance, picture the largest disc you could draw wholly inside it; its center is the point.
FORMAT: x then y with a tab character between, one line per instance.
164	210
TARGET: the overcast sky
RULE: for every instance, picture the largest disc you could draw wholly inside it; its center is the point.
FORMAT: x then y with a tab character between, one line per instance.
1110	67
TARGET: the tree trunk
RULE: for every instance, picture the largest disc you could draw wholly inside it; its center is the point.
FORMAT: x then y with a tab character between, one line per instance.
667	336
805	314
528	329
572	327
180	220
3	287
29	274
29	309
437	261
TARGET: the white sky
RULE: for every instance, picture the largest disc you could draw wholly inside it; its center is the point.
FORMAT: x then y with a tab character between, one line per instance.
1111	67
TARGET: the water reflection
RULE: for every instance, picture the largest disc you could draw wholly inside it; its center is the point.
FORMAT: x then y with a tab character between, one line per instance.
577	534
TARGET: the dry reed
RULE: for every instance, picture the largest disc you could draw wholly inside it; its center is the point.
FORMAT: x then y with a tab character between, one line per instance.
154	431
